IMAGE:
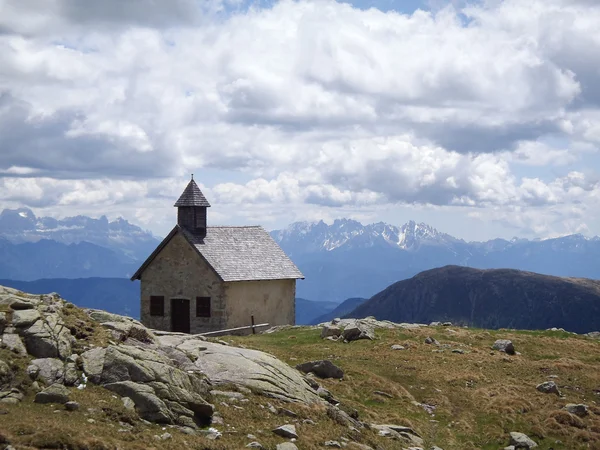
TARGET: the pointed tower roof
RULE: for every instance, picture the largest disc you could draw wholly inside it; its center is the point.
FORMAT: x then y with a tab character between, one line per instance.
192	196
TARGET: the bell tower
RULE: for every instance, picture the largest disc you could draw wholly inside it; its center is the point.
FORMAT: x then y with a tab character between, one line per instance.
191	210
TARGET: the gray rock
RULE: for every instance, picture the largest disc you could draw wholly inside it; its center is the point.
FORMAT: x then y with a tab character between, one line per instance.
435	324
398	347
13	342
577	409
593	334
93	363
25	318
258	371
360	330
48	370
48	338
149	406
548	387
520	440
56	393
13	396
430	340
330	331
334	444
71	375
254	444
286	446
323	369
406	434
342	417
71	406
504	345
128	403
286	431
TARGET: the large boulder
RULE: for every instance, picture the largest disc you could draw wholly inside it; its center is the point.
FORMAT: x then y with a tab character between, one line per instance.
49	370
25	317
161	391
358	330
253	369
48	338
13	342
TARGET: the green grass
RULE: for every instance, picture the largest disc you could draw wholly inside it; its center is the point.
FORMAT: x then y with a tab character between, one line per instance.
479	396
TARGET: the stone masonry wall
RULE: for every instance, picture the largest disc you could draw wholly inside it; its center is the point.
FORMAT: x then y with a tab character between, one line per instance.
270	301
179	272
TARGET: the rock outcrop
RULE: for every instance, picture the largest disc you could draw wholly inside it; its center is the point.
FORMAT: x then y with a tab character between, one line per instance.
166	377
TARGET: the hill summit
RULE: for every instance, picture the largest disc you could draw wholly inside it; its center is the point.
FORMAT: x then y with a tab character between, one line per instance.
492	298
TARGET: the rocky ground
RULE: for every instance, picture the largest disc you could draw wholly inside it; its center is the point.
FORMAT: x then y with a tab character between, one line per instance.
74	378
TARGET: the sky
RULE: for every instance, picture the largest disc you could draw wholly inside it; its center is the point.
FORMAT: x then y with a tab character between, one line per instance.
480	118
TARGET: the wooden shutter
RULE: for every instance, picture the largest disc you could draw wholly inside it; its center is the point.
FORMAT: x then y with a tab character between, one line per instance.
202	306
157	305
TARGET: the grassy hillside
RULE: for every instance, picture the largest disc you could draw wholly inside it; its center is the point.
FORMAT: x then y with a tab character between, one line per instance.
479	396
491	298
474	399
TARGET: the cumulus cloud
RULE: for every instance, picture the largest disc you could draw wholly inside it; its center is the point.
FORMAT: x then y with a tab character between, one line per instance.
316	102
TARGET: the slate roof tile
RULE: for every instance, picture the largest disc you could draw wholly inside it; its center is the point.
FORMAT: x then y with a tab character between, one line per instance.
244	253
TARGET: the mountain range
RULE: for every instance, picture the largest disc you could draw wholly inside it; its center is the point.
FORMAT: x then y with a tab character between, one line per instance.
21	225
341	260
347	259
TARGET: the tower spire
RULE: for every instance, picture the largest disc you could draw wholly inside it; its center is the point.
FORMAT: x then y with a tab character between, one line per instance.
191	209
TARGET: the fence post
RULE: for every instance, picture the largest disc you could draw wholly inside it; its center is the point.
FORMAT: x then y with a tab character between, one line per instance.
253	329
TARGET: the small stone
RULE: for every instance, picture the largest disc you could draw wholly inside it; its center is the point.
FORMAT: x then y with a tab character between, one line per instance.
286	412
383	394
254	444
309	422
520	440
165	436
458	350
430	340
504	345
286	431
71	406
128	403
579	410
398	347
548	387
334	444
322	368
56	393
91	421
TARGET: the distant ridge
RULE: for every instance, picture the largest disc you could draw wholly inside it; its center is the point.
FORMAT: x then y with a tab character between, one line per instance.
493	298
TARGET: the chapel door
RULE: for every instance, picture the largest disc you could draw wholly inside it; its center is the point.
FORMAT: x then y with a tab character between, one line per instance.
180	315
